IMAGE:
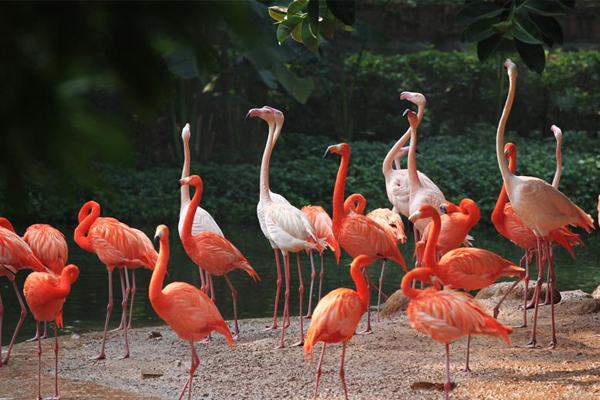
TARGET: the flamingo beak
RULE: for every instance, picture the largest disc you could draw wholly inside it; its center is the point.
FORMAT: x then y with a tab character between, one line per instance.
415	216
327	152
405	113
443	208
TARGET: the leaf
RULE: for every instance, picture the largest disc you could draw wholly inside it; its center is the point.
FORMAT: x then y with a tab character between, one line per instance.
546	8
311	42
477	10
268	78
549	27
532	55
277	13
478	30
344	10
299	88
502	27
568	3
486	47
297	33
313	17
526	31
328	26
286	27
296	7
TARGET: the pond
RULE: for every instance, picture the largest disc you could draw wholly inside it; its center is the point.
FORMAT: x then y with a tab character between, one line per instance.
85	308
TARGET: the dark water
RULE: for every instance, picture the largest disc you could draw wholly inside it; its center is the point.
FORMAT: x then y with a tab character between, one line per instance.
85	308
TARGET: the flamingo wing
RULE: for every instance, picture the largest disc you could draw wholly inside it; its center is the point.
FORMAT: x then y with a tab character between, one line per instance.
116	243
216	254
203	221
289	227
15	254
361	235
48	245
515	230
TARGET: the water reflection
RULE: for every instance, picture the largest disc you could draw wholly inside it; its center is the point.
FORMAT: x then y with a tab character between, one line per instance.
86	306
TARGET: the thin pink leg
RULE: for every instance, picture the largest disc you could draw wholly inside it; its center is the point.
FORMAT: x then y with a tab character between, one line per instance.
368	329
342	372
418	258
109	308
321	276
193	366
234	296
122	323
44	336
133	291
540	268
550	287
212	287
202	281
319	370
448	384
39	352
467	368
550	256
301	292
286	262
379	295
313	275
19	324
124	306
497	306
274	325
527	257
56	395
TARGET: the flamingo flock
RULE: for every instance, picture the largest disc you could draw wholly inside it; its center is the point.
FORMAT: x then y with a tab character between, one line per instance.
529	212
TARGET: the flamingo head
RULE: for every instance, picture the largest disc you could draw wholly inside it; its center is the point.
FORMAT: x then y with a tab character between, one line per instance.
511	67
362	261
510	149
266	113
161	231
342	149
424	212
86	209
404	151
413	120
6	224
193	180
557	132
185	132
70	272
416	98
449	208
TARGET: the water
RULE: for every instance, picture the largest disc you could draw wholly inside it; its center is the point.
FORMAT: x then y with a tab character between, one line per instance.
85	308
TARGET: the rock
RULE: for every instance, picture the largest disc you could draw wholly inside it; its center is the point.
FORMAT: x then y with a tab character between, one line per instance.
396	303
154	335
75	336
151	373
596	293
499	289
578	302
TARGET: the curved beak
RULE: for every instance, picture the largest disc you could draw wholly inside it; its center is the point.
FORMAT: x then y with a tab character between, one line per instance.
415	216
443	208
326	152
405	113
156	242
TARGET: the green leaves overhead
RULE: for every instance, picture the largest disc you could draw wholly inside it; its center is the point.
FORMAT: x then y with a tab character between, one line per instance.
526	25
306	21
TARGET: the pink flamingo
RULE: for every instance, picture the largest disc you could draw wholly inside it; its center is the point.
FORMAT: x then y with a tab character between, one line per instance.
323	226
447	315
538	204
203	221
286	227
50	247
116	245
336	317
185	308
217	255
45	294
15	255
356	233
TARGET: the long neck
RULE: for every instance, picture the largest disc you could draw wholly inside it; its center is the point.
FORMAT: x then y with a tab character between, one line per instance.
498	213
391	155
556	180
264	166
413	177
64	286
422	274
472	211
361	284
185	189
429	257
339	190
81	232
158	275
186	231
502	126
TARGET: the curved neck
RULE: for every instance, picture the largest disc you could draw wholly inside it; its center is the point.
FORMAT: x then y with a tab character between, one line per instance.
185	189
502	126
158	275
556	180
361	284
356	202
64	286
186	230
413	177
429	258
81	232
340	189
264	166
472	211
391	155
6	224
498	212
422	274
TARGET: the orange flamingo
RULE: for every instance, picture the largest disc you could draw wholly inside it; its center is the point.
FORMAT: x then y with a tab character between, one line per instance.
50	247
186	309
45	294
539	205
464	268
447	315
116	245
356	233
323	227
336	317
15	255
212	251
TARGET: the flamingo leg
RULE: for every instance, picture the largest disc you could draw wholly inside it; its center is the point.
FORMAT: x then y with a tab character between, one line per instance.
193	367
549	255
526	257
540	269
286	262
109	308
39	353
510	289
202	281
122	323
234	296
342	372
274	325
301	292
19	324
212	287
551	281
56	395
1	317
133	291
368	329
321	276
313	275
448	384
467	368
124	306
44	336
379	295
319	370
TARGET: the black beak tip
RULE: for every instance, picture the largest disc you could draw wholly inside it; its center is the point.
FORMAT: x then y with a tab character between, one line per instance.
405	113
247	115
443	209
326	153
156	242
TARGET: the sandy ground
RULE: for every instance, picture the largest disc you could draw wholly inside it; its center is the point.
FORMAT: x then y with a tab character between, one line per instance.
393	363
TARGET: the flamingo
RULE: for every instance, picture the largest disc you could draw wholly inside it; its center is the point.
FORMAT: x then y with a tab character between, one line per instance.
116	245
203	221
50	247
336	317
356	233
464	268
538	204
187	310
447	315
286	227
45	294
15	255
214	253
323	226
